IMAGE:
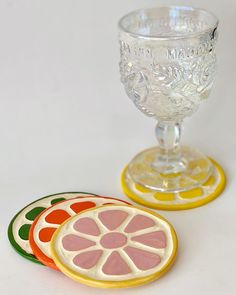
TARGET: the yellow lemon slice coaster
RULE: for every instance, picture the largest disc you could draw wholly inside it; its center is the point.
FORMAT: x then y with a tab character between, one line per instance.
114	246
188	199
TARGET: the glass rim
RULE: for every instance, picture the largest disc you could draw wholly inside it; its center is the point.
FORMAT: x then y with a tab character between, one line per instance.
168	37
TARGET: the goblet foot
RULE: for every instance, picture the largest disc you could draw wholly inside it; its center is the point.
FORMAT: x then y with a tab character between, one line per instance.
192	181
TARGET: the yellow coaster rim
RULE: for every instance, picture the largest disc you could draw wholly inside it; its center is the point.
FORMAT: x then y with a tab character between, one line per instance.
174	207
115	284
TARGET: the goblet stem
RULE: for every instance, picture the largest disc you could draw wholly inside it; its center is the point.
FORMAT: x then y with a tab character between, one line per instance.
168	159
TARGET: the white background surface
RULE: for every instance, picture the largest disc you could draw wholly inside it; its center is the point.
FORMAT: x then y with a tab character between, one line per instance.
67	125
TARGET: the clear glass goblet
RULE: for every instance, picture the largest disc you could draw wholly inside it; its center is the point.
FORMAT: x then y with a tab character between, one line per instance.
168	65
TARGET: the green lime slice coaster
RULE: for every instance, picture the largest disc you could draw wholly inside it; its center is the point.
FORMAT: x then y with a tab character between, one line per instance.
19	227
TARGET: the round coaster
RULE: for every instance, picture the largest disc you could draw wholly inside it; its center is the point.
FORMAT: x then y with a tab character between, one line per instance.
196	197
19	227
49	220
114	246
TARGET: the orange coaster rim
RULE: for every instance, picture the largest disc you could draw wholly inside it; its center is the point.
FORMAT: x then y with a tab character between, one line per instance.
19	227
38	252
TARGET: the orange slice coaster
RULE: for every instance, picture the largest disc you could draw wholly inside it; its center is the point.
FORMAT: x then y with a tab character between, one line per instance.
49	220
114	246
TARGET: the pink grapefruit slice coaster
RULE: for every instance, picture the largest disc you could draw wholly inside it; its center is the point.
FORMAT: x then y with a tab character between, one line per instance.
49	220
114	246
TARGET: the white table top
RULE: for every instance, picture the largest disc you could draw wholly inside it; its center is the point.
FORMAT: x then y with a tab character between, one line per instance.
67	125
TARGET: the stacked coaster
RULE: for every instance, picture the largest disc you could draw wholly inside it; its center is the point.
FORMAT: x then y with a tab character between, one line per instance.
99	241
18	230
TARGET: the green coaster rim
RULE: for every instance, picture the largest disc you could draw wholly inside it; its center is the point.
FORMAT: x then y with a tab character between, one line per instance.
11	238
